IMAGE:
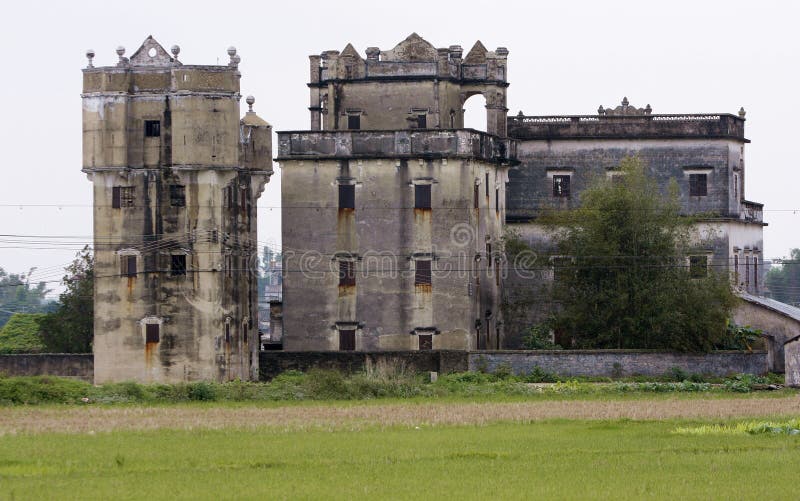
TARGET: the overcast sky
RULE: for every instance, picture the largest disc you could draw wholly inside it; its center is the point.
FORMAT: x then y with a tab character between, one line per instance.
565	58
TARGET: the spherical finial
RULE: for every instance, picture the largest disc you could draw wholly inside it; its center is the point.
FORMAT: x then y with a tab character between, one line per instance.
236	59
625	101
601	110
250	101
90	56
231	51
175	51
742	113
120	51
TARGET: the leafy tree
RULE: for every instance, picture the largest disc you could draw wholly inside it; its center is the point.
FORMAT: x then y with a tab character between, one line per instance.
70	329
783	282
622	271
21	334
17	295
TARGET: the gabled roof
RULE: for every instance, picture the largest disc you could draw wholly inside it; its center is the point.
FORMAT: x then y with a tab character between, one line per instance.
151	53
413	49
477	54
350	51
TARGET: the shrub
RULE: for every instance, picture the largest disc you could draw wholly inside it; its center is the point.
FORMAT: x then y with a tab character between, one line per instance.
676	374
539	375
21	334
539	337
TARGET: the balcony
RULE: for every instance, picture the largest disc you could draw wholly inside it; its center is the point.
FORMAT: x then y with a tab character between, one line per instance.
752	212
397	144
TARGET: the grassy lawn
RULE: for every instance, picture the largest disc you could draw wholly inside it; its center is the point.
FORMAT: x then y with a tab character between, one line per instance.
533	458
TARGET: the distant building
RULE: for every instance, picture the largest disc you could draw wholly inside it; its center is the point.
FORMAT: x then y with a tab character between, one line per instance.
176	178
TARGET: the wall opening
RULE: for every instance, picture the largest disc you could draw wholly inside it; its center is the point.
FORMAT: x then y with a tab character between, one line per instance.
475	115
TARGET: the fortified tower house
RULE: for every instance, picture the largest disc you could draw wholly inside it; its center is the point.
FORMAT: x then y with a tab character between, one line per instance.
176	178
392	212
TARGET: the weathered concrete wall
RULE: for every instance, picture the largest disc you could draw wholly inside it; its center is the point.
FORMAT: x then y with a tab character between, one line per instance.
413	85
385	237
792	356
610	363
779	322
77	366
176	177
273	363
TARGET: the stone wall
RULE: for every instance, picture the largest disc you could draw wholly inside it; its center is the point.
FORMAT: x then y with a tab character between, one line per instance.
620	362
792	354
77	366
272	363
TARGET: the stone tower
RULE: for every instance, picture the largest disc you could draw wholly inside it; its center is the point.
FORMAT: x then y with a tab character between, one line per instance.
392	212
176	177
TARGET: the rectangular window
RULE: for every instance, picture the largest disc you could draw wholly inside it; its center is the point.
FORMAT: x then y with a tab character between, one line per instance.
354	122
425	342
152	128
476	196
347	273
736	268
698	185
127	266
422	196
422	121
123	196
178	265
747	271
151	333
488	255
347	196
561	186
177	195
487	184
698	266
347	340
755	272
497	200
422	272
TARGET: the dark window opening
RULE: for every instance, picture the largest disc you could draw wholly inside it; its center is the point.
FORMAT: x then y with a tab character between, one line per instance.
348	72
151	332
128	266
747	271
152	128
243	199
698	266
561	186
476	196
347	196
347	273
227	333
422	273
487	184
425	342
497	200
178	265
698	185
177	195
488	255
736	268
354	122
347	340
123	196
422	196
755	272
422	121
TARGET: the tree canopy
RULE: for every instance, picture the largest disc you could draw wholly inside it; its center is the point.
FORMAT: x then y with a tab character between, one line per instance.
783	281
627	274
18	295
70	329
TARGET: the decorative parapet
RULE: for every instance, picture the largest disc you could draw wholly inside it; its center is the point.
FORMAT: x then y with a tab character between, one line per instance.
626	126
402	144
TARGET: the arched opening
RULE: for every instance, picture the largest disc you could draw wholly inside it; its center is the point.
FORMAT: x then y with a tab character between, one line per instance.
475	112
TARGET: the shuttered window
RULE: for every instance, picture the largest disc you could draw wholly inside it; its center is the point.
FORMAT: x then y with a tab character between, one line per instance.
152	334
347	340
422	273
422	196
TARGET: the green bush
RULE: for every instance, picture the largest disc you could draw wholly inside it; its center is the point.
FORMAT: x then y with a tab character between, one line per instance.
21	334
539	375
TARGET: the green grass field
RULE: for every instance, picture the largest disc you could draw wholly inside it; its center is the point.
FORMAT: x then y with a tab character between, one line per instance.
350	456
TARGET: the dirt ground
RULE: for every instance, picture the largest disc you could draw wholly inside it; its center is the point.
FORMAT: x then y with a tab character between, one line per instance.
96	419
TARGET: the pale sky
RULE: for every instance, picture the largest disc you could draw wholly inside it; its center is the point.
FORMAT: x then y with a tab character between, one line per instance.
565	58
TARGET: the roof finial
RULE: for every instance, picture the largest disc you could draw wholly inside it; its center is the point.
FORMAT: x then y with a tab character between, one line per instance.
123	61
625	101
250	101
601	110
90	56
742	113
647	109
175	51
234	58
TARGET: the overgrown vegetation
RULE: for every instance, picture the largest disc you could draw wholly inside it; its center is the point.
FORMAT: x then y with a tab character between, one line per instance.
19	295
70	328
333	385
624	274
21	334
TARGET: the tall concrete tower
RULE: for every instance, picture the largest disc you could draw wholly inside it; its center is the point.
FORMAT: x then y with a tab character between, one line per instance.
176	177
392	211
